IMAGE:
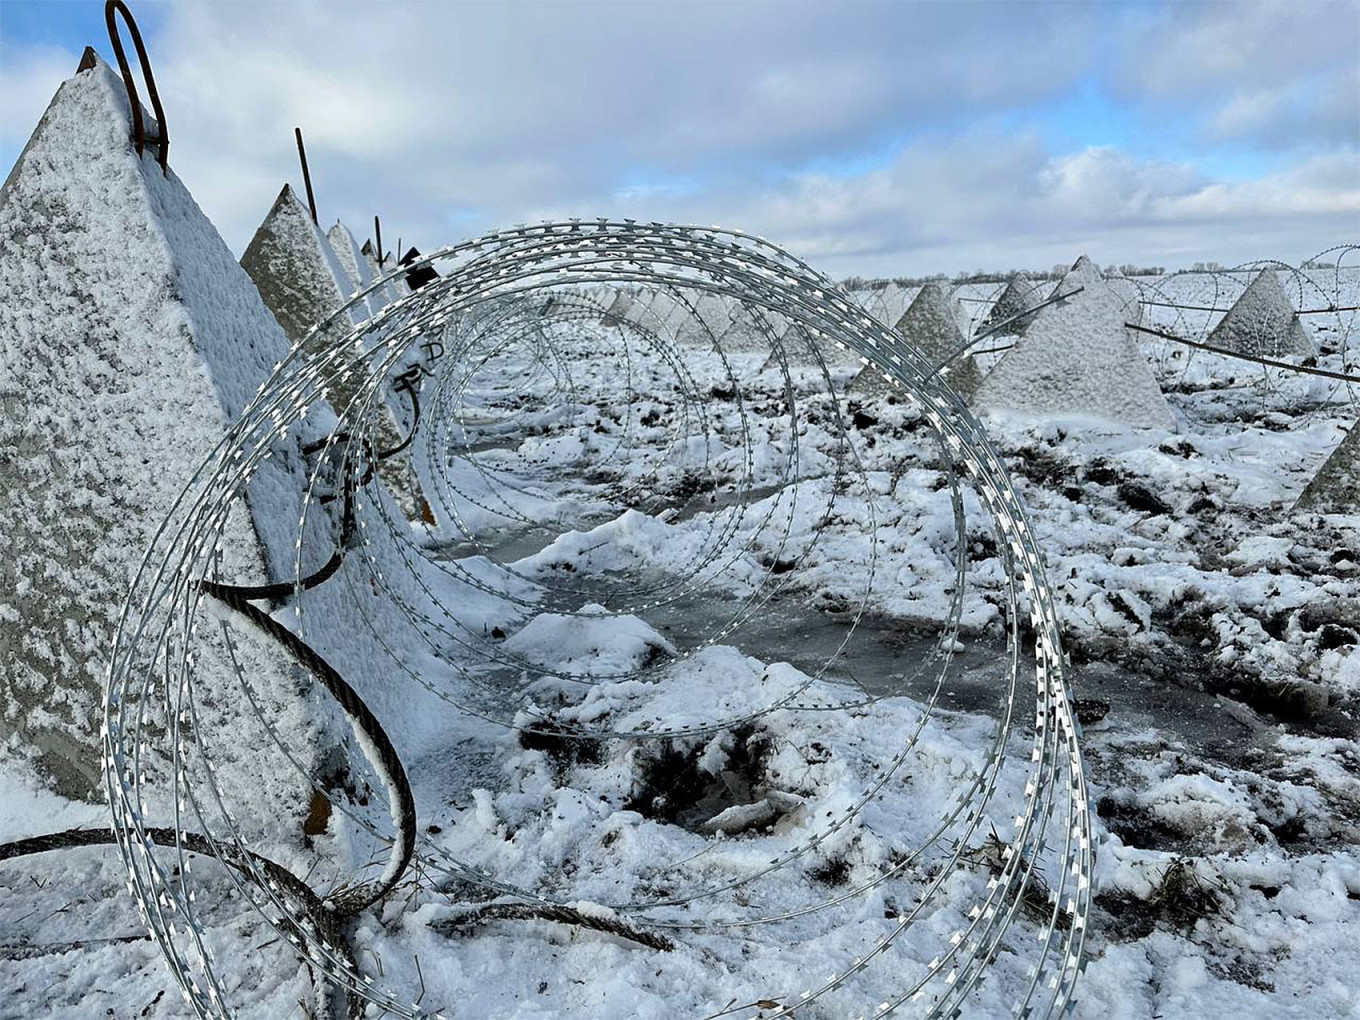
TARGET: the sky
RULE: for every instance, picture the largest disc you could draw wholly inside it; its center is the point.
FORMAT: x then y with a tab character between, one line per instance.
873	139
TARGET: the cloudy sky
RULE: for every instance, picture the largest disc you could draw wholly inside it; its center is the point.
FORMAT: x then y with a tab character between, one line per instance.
869	138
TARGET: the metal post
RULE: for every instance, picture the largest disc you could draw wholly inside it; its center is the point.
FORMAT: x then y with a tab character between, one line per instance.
377	237
306	174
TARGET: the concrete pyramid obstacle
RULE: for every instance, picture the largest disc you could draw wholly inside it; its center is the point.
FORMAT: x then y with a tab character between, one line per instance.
1129	291
617	309
706	324
129	340
298	274
930	326
673	314
359	270
1335	489
1017	299
303	281
745	333
394	287
347	252
1077	357
1262	322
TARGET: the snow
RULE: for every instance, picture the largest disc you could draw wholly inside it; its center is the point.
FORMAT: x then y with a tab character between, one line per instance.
1077	357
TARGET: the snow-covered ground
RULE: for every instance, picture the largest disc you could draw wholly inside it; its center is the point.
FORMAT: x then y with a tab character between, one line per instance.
644	546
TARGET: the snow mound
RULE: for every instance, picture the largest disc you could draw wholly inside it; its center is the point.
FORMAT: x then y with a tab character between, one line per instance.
129	339
1077	357
591	643
1262	322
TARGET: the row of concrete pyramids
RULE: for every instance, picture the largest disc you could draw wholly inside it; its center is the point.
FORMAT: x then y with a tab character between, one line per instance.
1260	323
304	276
1071	356
130	338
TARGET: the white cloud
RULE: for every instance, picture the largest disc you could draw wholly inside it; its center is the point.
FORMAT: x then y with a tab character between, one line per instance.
451	119
1279	74
1179	50
1316	108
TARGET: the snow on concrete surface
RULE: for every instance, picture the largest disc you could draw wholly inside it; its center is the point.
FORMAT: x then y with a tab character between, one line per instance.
130	339
298	275
1335	489
929	325
1262	322
1077	357
1019	296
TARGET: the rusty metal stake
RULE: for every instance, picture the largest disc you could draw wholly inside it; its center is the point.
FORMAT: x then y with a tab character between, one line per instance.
306	174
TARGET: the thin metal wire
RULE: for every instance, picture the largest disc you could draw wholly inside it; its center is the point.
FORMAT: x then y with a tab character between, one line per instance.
529	329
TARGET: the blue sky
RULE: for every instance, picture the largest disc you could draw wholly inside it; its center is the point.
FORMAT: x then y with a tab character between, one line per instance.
869	138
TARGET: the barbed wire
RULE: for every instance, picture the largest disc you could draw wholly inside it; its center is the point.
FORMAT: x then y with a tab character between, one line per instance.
536	354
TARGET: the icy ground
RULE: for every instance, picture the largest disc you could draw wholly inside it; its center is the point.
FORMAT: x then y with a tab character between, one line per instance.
1213	637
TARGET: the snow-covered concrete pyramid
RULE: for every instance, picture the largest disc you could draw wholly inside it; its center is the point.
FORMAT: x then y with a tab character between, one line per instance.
298	274
360	268
930	326
707	323
129	339
1017	299
1335	489
617	309
1129	293
1077	357
303	280
395	286
745	333
1262	322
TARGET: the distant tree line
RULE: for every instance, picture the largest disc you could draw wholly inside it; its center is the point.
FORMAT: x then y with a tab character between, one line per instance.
991	276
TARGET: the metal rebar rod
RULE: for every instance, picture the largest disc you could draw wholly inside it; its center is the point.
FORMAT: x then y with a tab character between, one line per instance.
1269	362
1212	308
306	174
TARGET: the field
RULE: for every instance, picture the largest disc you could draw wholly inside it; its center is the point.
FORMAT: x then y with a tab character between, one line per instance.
712	644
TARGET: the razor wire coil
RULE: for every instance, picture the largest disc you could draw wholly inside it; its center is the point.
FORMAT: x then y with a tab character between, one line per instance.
527	344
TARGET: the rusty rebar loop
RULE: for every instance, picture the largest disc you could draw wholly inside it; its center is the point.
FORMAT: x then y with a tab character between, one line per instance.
139	135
